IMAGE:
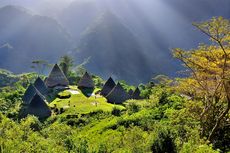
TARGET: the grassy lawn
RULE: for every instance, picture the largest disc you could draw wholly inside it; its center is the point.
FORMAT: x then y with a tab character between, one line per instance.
83	105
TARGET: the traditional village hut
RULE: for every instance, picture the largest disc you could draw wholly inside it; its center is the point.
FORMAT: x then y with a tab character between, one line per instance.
37	107
118	95
86	82
130	93
56	78
39	84
29	94
136	94
108	86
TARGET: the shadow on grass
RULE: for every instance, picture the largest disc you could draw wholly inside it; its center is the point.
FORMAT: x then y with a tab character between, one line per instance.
52	95
86	91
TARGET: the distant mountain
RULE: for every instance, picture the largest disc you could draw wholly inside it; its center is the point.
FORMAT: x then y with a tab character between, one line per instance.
136	37
79	20
6	52
31	37
7	78
114	50
78	16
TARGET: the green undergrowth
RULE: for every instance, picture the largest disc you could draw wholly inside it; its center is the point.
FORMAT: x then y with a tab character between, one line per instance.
80	104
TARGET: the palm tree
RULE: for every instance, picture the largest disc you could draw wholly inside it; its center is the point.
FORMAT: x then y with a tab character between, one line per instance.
66	63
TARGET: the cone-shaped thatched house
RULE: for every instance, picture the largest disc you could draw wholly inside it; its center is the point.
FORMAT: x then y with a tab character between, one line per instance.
86	82
109	85
130	92
136	94
56	78
118	95
37	107
39	84
29	94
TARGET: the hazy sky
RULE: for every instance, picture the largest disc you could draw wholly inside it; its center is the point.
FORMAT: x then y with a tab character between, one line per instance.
159	25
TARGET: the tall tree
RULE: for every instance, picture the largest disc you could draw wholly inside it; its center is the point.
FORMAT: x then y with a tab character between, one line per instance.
66	63
209	74
39	66
80	69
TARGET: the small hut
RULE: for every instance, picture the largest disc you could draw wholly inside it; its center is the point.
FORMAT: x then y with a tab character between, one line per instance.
136	94
56	78
109	85
37	107
86	82
118	95
39	84
130	93
29	94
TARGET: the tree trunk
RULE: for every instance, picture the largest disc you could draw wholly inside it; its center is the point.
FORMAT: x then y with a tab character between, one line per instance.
224	113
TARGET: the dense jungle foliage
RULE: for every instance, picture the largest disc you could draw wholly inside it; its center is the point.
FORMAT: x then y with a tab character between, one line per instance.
186	115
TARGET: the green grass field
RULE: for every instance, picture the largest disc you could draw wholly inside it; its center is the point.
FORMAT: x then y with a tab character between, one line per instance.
80	104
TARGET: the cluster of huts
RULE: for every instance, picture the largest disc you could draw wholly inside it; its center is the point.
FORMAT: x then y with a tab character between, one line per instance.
115	93
35	96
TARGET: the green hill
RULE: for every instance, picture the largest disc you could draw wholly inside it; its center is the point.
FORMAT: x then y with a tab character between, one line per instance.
80	104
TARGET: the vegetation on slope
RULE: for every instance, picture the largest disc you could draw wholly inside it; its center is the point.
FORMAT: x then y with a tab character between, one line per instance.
189	115
80	104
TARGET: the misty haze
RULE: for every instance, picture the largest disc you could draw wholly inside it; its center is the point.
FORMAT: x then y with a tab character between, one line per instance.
128	39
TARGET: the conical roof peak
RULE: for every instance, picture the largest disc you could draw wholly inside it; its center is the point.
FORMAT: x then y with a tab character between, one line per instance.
37	100
56	78
29	94
41	86
117	95
38	107
108	86
130	92
136	94
110	78
86	81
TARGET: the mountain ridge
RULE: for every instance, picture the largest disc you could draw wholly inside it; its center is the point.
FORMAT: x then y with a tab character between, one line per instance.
106	41
32	37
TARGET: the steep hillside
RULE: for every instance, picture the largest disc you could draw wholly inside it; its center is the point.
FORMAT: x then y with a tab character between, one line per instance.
113	48
31	37
77	17
7	78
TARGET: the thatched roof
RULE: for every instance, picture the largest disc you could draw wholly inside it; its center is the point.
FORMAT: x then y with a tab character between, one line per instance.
118	95
109	85
136	94
38	107
130	92
56	78
29	94
86	81
39	84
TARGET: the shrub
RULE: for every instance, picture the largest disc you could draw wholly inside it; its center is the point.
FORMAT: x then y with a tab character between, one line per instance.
164	142
32	122
163	98
132	107
194	148
64	95
83	147
116	111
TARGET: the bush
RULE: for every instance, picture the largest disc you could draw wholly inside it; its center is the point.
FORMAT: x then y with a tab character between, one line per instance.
164	142
32	123
64	95
132	107
83	147
163	98
116	111
193	148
